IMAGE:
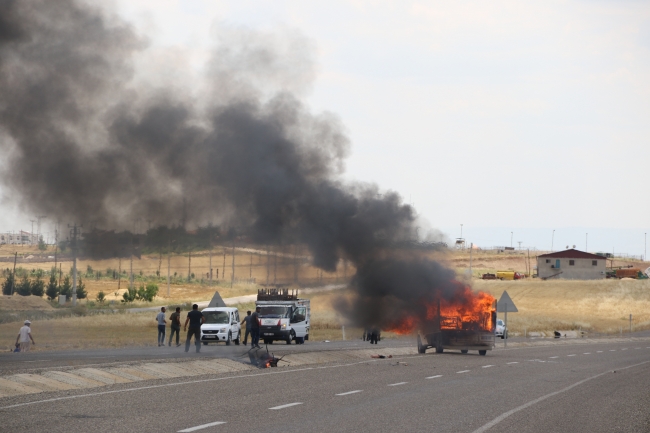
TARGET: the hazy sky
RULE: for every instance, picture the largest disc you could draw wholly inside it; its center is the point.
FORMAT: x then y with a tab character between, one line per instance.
502	115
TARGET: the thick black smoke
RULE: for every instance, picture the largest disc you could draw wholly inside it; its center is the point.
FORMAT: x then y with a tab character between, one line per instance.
87	142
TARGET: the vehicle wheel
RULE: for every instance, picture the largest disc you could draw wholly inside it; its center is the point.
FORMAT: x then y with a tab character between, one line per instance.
482	352
464	351
205	343
439	349
300	340
502	336
229	339
421	348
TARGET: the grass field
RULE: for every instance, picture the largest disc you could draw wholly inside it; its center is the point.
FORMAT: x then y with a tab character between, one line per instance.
601	306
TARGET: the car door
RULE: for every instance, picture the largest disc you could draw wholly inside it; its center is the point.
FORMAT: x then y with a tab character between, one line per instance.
299	321
236	327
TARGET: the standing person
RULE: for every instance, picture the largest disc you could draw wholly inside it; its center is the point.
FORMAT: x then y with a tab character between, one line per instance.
255	328
160	318
374	335
24	335
196	319
247	320
175	325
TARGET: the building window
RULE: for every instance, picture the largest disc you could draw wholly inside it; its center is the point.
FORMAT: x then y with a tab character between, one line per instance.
548	260
594	263
572	262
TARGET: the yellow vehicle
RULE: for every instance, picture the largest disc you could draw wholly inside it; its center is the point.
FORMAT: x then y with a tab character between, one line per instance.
509	275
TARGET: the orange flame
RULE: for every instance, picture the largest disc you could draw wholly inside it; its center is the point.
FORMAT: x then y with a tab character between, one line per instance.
465	310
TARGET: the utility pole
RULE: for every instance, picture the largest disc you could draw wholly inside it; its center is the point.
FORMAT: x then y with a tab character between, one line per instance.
232	278
250	273
38	227
189	265
586	242
210	271
552	239
169	259
13	282
519	242
74	232
31	235
223	269
471	247
511	234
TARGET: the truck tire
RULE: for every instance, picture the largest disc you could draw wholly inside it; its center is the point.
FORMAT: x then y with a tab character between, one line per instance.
229	339
300	340
439	349
482	352
421	348
464	351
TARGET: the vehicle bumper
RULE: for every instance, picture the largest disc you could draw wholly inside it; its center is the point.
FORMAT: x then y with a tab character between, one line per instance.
274	334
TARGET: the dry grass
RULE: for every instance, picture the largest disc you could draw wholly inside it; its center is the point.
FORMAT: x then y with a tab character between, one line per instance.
600	306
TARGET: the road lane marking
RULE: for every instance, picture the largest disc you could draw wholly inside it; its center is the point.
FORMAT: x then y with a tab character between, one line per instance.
612	350
599	351
487	366
350	392
505	415
38	360
637	348
513	362
553	357
587	353
199	427
462	371
572	355
398	383
433	377
284	406
624	348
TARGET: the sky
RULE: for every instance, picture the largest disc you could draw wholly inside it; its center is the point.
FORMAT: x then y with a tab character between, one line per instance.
504	116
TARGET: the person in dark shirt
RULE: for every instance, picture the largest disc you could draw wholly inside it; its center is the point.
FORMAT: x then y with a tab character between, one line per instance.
255	328
175	320
195	319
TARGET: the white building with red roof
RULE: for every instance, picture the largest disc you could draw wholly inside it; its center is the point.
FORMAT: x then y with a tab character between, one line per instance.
571	265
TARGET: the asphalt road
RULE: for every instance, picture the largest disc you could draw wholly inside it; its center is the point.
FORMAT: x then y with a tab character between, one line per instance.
599	387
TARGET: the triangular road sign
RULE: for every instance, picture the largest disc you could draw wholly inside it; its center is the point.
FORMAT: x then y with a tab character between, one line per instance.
505	304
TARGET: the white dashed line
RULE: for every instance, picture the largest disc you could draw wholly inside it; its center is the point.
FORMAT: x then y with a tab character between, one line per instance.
38	360
513	362
350	392
637	348
199	427
434	377
572	355
487	366
624	348
587	353
553	357
599	351
612	350
284	406
462	371
398	383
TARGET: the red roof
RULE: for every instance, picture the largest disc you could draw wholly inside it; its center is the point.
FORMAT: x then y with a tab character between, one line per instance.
572	254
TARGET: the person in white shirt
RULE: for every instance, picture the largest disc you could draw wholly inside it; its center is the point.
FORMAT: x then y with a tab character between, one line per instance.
161	326
24	335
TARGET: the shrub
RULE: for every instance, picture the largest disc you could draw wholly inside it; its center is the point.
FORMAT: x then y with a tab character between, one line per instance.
129	295
101	297
41	245
147	293
8	284
81	289
52	289
38	287
66	287
24	288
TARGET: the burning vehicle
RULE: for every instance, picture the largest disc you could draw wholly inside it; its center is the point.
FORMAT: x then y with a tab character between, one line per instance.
459	329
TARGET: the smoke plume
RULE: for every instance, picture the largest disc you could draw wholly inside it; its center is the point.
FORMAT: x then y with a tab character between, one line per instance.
88	142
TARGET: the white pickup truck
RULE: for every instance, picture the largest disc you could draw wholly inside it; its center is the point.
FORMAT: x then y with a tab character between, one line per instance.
283	316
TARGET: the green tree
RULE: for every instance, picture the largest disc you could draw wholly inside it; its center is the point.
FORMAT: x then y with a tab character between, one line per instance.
38	287
41	245
129	295
81	289
24	287
101	297
8	284
66	287
52	289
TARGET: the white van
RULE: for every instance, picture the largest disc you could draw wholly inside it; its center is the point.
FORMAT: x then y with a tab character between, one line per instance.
221	324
